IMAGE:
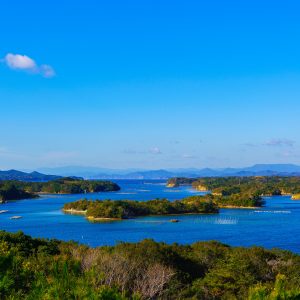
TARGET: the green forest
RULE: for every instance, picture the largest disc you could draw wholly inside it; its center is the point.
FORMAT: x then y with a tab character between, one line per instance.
262	185
124	209
242	191
16	190
50	269
10	191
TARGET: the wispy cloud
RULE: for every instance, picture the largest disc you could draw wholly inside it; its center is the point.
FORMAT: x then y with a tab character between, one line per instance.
21	62
279	143
130	151
155	150
290	154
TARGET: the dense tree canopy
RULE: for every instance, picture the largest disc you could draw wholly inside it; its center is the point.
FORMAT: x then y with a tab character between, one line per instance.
262	185
50	269
242	191
15	190
11	191
122	209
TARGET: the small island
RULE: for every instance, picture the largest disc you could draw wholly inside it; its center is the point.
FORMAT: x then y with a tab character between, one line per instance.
97	210
17	190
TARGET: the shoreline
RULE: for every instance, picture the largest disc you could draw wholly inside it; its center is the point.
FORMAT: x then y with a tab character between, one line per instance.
46	193
240	207
74	211
83	212
90	218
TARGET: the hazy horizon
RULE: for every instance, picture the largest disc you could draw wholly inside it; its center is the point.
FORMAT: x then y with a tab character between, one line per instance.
75	170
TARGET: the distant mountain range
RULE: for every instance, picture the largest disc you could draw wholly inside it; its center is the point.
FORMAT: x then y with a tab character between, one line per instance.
101	173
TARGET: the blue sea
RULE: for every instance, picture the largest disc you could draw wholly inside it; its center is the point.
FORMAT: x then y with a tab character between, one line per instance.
275	225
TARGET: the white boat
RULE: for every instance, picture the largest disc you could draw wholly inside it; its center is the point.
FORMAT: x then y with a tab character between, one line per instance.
15	217
3	211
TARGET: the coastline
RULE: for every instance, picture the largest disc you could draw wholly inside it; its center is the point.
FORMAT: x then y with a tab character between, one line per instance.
240	207
90	218
72	211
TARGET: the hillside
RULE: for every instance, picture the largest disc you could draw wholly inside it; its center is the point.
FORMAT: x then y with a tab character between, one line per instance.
23	176
51	269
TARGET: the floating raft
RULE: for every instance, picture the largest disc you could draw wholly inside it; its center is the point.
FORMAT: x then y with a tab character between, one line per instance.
174	221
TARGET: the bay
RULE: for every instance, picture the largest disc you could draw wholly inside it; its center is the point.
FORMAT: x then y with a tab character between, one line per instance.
275	225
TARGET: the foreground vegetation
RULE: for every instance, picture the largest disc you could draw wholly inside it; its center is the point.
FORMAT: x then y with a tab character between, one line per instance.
16	190
123	209
42	269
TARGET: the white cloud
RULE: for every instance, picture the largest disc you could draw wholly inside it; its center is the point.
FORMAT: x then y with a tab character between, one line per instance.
154	150
25	63
17	61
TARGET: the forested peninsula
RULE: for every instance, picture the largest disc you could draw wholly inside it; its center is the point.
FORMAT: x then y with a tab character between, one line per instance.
16	190
124	209
50	269
241	191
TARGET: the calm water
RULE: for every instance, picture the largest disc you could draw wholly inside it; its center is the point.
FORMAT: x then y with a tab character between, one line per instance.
275	225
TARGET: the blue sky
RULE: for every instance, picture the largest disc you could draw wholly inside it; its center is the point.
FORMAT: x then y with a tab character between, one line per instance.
149	84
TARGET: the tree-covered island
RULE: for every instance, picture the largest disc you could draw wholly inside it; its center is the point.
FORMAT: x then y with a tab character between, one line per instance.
124	209
16	190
